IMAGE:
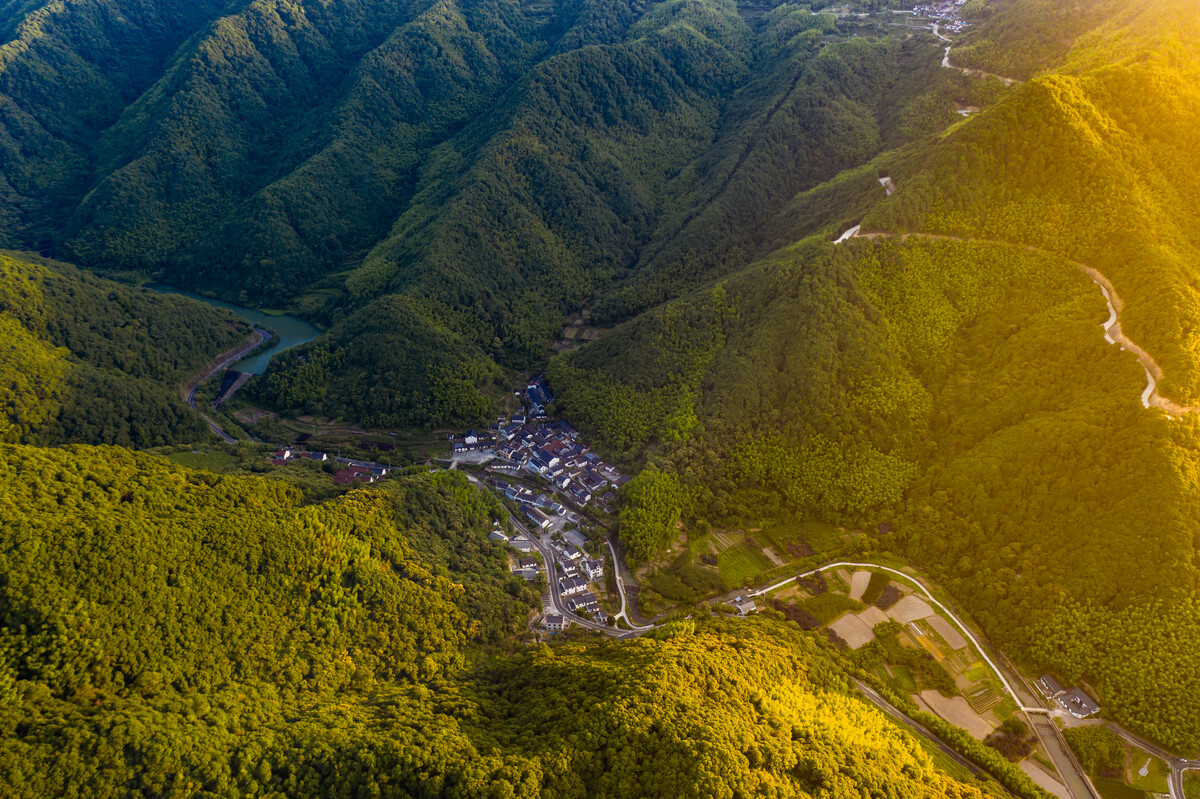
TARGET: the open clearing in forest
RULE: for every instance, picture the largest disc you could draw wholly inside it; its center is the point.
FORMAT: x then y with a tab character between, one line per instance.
1157	773
215	460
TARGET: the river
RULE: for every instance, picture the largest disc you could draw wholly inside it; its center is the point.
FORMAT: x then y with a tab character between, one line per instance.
292	331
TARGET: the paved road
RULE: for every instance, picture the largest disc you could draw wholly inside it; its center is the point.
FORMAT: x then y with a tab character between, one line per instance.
1178	765
978	73
257	338
920	729
1068	767
621	590
1113	333
1150	398
910	579
556	600
1071	775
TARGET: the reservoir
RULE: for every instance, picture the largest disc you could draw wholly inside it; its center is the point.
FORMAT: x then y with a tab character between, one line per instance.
291	330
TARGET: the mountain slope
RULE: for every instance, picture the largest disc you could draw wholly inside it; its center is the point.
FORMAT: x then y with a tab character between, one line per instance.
957	384
88	360
445	180
180	631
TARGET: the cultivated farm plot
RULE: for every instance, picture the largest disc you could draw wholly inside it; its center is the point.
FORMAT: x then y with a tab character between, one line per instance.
742	564
1045	779
956	711
858	584
910	608
853	630
977	673
949	635
724	539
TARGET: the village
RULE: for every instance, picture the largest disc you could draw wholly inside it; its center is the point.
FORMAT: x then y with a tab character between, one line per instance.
945	13
530	444
530	447
550	477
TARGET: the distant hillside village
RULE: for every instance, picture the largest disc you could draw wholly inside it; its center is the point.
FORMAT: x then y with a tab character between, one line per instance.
549	450
532	446
528	446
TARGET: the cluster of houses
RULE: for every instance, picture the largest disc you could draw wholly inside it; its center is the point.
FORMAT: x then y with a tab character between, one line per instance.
578	573
548	450
1073	700
540	509
527	567
946	13
353	473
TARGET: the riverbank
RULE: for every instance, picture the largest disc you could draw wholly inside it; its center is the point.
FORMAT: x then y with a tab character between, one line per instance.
223	361
290	330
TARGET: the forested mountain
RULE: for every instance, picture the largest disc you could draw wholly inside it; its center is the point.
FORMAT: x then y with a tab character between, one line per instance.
444	184
90	361
348	159
173	631
958	384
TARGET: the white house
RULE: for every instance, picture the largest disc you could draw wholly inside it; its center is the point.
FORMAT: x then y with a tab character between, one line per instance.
594	569
585	601
569	586
537	517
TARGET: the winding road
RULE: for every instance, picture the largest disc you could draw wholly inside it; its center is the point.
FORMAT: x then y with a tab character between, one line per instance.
622	614
233	356
975	73
1074	778
1178	765
556	600
1113	333
917	583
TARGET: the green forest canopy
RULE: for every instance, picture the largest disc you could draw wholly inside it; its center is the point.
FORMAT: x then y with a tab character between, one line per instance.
963	391
176	631
86	360
444	182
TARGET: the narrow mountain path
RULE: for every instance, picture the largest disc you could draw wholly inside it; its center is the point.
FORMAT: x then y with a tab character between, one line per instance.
1112	326
975	73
